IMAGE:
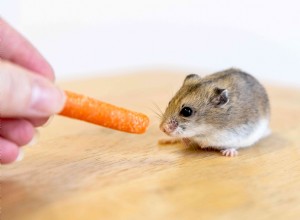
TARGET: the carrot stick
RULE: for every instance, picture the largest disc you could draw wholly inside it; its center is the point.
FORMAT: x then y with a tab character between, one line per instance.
91	110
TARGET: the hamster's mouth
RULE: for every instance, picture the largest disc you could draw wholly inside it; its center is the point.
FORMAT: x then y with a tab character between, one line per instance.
179	133
175	130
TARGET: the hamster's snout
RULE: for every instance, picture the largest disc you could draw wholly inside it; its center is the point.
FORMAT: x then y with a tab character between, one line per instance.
169	127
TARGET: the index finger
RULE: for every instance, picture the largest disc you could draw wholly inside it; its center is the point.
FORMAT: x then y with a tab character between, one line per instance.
16	49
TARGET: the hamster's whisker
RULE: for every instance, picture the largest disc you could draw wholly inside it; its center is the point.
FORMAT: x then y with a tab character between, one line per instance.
158	114
158	108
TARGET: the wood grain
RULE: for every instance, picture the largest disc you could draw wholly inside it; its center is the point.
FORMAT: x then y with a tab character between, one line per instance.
82	171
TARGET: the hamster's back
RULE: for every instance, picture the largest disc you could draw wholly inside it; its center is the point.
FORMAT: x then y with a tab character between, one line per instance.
248	97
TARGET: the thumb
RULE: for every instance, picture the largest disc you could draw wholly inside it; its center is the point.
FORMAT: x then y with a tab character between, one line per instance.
25	94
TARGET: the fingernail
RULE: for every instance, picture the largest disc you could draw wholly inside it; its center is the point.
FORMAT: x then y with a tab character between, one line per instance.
35	138
20	156
46	99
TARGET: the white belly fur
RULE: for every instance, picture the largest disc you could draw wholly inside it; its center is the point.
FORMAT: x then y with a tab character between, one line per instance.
238	139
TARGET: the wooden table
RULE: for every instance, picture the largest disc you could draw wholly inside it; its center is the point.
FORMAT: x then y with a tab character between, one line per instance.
82	171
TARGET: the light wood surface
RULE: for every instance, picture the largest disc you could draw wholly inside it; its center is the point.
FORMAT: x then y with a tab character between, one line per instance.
82	171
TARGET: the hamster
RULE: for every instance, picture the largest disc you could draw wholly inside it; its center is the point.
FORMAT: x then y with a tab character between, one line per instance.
226	111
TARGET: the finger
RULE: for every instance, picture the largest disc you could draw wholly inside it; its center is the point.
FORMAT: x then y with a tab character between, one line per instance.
37	122
15	48
27	95
18	131
9	151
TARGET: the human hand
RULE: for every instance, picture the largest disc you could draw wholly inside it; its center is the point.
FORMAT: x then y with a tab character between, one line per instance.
28	96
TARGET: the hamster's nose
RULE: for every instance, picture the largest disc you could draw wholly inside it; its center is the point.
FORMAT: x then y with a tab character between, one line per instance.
168	128
165	129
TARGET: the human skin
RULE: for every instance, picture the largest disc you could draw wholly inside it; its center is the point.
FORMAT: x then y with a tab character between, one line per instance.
28	96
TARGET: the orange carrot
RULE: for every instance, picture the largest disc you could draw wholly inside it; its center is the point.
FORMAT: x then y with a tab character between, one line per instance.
91	110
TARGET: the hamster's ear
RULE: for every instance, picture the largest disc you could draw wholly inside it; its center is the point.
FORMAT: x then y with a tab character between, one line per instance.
220	97
191	78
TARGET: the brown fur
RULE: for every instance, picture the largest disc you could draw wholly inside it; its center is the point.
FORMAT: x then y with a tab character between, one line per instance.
248	100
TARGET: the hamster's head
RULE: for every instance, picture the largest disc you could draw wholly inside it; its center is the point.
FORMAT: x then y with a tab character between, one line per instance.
195	108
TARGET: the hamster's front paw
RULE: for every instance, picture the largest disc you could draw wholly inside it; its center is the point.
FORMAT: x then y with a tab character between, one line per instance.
169	141
187	142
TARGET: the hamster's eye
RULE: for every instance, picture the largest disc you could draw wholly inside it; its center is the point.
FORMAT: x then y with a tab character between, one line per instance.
186	112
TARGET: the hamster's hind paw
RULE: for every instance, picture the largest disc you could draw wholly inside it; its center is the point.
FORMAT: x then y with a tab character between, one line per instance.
231	152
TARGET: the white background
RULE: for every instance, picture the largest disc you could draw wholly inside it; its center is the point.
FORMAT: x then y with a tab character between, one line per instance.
90	37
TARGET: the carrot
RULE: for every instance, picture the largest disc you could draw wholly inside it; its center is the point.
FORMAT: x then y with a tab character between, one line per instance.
94	111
